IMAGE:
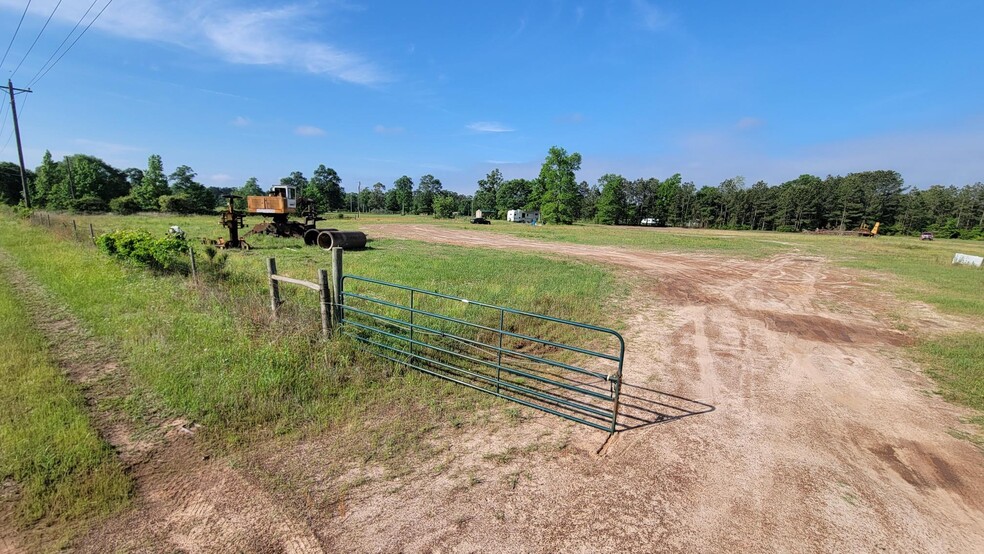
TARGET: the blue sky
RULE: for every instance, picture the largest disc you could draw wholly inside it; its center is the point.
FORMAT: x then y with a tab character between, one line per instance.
767	90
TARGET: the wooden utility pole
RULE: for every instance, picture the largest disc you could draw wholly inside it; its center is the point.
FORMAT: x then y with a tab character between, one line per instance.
20	149
71	181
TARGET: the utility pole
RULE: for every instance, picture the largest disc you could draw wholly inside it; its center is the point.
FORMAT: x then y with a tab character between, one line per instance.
20	149
359	200
71	181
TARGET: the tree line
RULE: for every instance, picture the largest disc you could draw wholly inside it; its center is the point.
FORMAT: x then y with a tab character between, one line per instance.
86	183
807	203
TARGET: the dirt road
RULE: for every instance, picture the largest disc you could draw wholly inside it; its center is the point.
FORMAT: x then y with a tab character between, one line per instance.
822	437
185	501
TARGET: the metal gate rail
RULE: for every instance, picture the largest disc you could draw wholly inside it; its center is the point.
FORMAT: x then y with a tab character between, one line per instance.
577	383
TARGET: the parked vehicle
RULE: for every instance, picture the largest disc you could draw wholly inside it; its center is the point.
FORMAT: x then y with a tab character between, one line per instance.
520	216
926	236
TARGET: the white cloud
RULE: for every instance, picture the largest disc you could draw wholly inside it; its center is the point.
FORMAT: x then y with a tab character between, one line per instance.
240	121
242	35
440	167
383	130
748	122
650	16
574	118
108	147
309	131
488	127
221	178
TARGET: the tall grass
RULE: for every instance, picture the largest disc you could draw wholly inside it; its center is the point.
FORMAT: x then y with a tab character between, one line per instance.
211	352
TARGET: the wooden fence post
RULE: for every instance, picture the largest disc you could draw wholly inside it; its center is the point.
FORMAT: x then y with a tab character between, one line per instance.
194	267
336	285
49	220
274	287
75	229
325	293
92	234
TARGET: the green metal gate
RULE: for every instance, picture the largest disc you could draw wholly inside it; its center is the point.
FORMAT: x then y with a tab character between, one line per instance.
516	355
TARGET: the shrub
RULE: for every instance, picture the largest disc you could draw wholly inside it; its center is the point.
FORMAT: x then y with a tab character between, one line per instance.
88	204
444	206
176	203
22	211
141	247
125	205
214	266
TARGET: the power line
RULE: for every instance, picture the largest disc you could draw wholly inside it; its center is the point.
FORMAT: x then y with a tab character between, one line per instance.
45	26
15	33
68	36
71	45
4	124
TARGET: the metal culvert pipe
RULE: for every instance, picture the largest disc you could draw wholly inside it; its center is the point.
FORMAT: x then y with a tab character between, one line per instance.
311	236
349	240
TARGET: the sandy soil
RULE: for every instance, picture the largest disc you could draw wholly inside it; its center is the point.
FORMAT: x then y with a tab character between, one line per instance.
822	437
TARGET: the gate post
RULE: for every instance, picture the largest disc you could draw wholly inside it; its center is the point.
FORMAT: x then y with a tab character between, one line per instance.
194	266
274	287
336	282
325	294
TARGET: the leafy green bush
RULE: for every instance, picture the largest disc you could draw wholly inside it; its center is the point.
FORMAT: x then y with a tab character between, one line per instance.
22	211
125	205
89	204
444	206
177	203
141	247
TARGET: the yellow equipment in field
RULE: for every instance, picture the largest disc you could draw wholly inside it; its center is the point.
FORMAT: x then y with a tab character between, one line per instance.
282	200
863	231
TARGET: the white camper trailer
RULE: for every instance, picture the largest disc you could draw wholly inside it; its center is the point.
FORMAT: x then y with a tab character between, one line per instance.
520	216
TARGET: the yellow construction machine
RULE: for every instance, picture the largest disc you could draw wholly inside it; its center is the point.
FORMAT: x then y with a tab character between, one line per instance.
864	231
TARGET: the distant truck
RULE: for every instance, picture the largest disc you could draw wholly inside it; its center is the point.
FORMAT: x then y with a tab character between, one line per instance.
520	216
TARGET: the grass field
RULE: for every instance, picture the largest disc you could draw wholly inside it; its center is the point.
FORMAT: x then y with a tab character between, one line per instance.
912	269
65	474
208	351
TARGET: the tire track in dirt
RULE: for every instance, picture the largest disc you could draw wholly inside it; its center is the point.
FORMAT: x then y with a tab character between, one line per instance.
822	438
185	500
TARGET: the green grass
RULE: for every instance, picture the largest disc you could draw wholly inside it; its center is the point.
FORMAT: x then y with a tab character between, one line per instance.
209	352
912	269
955	362
66	474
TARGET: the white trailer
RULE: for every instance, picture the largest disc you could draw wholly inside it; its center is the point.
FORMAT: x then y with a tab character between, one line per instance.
520	216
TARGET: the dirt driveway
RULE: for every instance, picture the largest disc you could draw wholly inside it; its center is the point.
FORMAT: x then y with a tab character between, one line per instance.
822	436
